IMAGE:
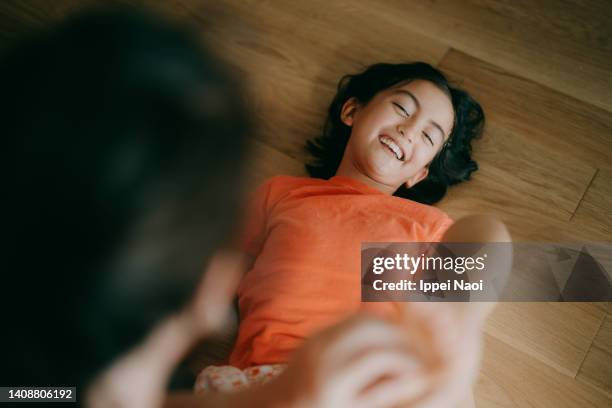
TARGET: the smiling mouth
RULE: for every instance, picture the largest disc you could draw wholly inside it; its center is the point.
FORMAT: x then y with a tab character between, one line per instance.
392	146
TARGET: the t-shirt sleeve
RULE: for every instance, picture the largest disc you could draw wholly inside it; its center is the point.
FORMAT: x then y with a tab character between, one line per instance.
252	233
441	227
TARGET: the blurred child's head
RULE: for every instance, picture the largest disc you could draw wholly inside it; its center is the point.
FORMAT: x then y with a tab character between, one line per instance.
403	126
122	146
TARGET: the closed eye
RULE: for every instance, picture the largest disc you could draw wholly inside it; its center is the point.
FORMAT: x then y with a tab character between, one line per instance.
406	114
402	110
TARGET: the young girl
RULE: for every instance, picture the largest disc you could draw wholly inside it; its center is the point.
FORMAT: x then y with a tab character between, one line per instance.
396	137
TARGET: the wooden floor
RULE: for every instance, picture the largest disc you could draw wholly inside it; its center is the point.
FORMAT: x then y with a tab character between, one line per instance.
543	73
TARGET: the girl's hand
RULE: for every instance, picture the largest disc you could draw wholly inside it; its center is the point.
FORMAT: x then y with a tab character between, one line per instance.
430	358
362	362
448	341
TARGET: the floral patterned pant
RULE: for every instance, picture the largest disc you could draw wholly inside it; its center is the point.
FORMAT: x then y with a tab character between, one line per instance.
228	378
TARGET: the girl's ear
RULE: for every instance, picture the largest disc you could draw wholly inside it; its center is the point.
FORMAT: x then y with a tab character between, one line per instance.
420	175
348	111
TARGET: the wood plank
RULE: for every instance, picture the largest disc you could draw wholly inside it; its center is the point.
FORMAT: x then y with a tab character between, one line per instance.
510	378
595	210
558	334
265	162
486	193
564	45
546	117
525	175
294	54
596	369
526	193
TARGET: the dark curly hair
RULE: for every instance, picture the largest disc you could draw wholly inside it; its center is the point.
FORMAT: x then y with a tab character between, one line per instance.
452	165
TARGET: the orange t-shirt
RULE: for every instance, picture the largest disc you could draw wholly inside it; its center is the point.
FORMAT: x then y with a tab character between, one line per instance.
306	236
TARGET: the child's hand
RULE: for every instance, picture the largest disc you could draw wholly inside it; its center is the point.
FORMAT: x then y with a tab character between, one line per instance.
362	362
447	340
211	304
428	359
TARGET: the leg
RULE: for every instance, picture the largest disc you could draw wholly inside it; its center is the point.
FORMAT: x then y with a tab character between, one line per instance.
451	332
484	229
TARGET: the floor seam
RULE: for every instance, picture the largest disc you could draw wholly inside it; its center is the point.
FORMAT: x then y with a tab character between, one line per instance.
584	193
603	319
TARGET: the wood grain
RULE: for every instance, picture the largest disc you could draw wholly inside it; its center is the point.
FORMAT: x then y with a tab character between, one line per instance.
563	45
510	378
595	210
548	118
596	369
293	56
558	334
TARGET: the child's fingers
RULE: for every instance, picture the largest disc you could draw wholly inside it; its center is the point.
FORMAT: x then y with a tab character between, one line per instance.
366	334
444	323
399	391
430	328
455	378
375	368
212	301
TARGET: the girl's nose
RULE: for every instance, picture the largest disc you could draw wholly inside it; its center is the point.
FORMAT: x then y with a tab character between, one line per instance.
404	133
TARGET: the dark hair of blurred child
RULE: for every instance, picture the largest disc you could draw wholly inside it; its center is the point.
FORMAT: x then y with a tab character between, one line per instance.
122	145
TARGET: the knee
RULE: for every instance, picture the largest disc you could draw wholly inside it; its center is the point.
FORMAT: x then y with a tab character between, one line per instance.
478	228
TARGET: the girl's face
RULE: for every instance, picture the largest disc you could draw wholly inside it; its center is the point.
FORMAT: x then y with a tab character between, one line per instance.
397	134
